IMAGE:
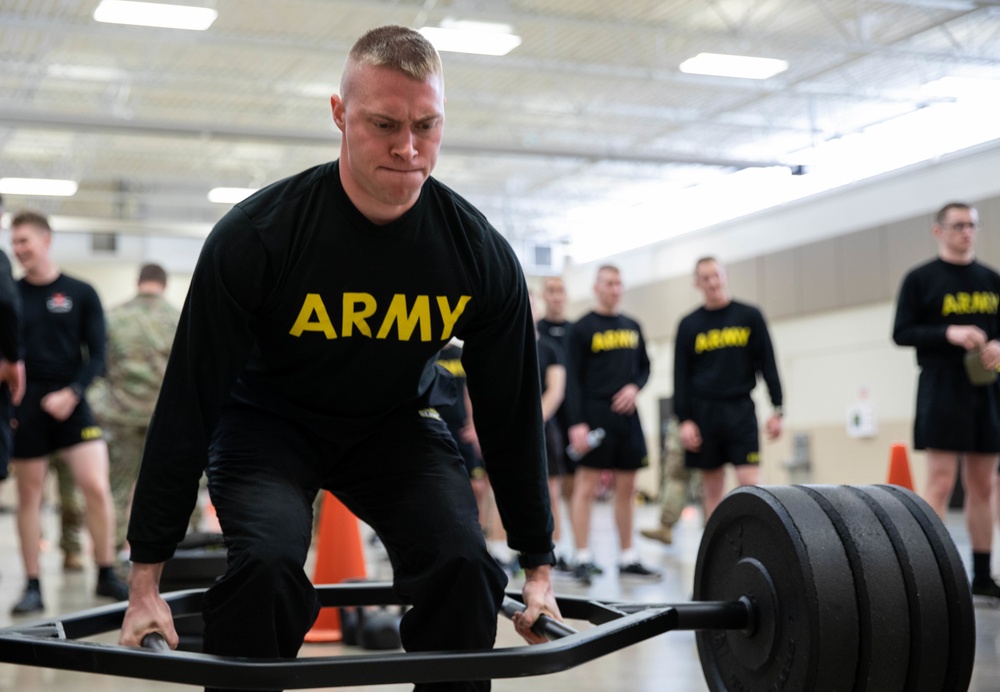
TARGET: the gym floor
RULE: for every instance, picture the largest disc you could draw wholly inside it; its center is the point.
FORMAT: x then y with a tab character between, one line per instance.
669	661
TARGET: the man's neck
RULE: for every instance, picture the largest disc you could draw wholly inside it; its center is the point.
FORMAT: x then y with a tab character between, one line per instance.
555	319
43	274
957	258
718	304
606	311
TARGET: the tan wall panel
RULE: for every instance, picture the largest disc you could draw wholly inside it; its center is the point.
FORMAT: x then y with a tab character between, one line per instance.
779	296
744	280
659	306
817	277
988	243
907	243
863	277
839	459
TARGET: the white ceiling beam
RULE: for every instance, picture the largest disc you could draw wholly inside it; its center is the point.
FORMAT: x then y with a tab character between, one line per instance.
210	131
779	42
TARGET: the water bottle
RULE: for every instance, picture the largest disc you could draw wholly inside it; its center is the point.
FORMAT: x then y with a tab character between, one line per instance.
594	439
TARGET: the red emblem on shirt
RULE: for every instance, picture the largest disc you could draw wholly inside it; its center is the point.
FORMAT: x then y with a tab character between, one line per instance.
59	302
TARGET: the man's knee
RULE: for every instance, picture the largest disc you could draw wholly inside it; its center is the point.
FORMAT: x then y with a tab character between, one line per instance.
979	478
585	480
455	601
748	474
266	560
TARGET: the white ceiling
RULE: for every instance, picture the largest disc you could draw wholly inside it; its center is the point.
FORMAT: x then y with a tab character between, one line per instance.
590	107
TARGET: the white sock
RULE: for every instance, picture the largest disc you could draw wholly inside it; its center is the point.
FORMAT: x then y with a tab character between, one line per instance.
584	555
628	557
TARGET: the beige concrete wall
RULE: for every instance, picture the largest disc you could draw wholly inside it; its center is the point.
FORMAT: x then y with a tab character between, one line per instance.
839	459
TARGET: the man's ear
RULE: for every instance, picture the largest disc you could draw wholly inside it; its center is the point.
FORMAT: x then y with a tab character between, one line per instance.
337	107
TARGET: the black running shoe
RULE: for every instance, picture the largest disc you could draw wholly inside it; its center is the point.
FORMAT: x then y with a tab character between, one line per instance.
583	571
637	569
986	587
110	586
31	602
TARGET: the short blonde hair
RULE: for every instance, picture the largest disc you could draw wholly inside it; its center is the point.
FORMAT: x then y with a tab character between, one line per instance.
397	47
31	218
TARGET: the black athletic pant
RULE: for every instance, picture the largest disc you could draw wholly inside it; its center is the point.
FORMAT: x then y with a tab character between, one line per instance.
406	480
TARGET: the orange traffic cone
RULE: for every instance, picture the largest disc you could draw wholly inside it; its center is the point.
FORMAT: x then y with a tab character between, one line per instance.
210	519
339	556
899	467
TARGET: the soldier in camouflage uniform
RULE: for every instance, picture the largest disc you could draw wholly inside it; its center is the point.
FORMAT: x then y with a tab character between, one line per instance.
678	486
140	334
70	514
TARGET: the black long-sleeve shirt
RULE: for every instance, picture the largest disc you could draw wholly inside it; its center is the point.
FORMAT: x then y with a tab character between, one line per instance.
558	333
302	308
11	336
603	354
718	354
939	294
63	331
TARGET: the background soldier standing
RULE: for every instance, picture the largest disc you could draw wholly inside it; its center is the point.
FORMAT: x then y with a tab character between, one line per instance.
140	333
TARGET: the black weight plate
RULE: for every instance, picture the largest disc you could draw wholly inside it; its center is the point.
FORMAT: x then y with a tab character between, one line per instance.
928	609
777	547
958	594
883	606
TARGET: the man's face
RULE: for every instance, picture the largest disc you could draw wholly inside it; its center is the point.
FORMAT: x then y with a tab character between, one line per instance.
554	295
30	244
608	289
957	234
392	126
710	279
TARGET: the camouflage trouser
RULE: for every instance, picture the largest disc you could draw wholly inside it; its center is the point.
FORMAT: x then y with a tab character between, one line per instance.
125	443
70	507
678	486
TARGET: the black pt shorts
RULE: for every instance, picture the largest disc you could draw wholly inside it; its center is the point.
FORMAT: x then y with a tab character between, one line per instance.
39	434
623	447
953	415
729	433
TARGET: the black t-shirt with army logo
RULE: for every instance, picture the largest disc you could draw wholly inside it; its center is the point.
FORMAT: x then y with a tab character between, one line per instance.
939	294
603	354
302	308
718	354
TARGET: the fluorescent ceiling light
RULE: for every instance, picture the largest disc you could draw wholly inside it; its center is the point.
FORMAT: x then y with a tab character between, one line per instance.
953	5
155	14
481	38
962	88
742	66
38	186
86	73
230	195
309	89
